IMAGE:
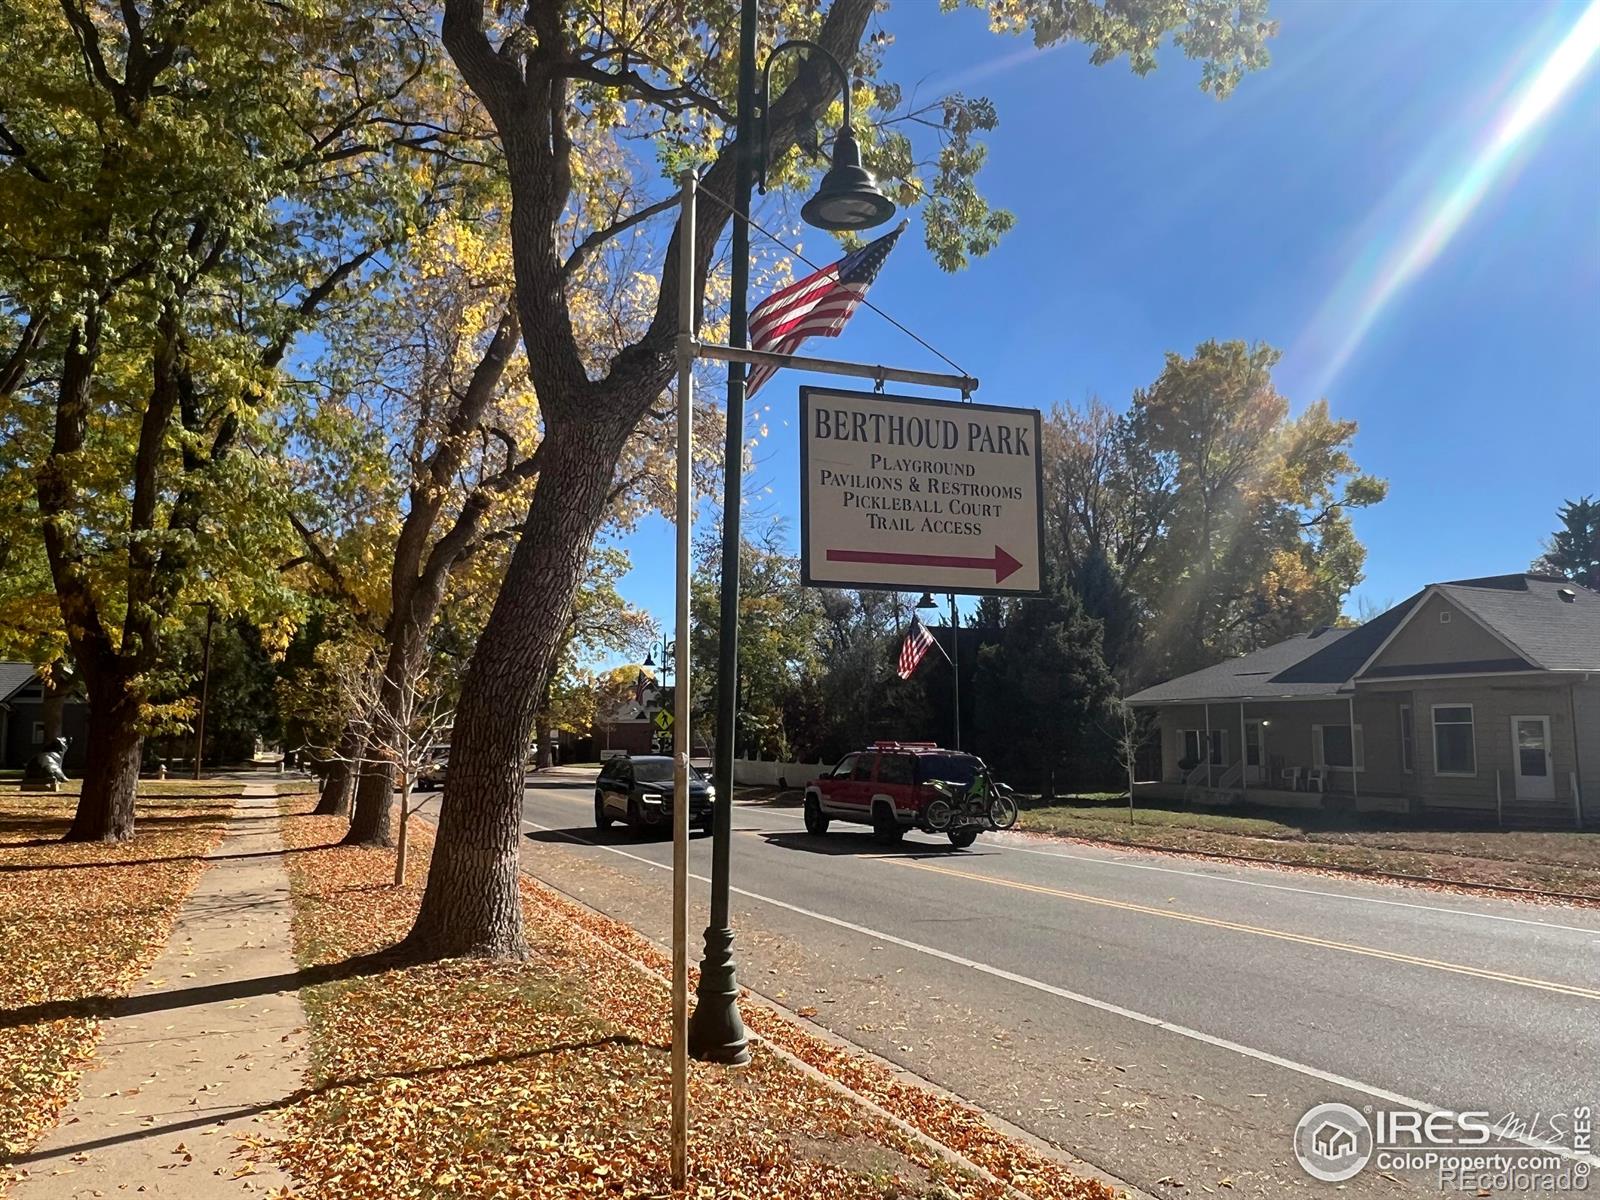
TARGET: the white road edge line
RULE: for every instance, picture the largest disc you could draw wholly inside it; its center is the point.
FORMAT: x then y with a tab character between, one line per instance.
1196	1035
1119	858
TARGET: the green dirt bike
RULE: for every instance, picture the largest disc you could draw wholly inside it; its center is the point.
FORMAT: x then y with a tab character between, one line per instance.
985	802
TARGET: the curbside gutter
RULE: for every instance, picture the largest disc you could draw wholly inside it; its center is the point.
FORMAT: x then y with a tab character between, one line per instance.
950	1155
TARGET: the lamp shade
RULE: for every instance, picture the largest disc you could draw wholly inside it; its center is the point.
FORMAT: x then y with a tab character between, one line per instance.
927	601
848	197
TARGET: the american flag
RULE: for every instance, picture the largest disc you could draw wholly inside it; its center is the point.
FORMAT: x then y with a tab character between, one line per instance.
917	644
817	306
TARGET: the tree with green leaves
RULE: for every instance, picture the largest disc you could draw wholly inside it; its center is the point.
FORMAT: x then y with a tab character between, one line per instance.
1573	551
778	620
1042	691
186	189
1206	520
586	102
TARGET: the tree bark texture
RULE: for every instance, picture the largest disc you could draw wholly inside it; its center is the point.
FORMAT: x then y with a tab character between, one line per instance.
372	819
472	904
338	786
111	771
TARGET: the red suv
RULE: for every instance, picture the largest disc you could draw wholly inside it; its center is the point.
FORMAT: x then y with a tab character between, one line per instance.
887	786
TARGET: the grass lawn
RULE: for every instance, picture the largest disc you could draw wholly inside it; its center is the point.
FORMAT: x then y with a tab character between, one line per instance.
78	925
1564	861
549	1078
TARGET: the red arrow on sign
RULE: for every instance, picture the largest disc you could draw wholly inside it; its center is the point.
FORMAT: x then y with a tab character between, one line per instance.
1002	564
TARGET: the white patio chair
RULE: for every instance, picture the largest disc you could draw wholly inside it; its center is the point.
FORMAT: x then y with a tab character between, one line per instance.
1316	779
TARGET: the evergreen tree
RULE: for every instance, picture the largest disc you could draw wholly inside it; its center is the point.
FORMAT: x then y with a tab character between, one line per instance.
1573	550
1042	692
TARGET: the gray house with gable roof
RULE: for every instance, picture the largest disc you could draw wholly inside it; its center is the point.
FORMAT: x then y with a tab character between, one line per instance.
1478	697
22	718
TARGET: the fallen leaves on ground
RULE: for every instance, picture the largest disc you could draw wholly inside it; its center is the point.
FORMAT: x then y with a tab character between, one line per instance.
1538	861
550	1078
79	923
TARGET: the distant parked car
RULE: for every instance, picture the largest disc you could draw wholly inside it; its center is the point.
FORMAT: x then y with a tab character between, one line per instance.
640	791
430	777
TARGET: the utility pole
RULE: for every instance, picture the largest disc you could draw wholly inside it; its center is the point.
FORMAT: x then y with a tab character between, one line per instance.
716	1032
205	692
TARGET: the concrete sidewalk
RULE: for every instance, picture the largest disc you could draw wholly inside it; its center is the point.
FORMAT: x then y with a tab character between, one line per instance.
207	1046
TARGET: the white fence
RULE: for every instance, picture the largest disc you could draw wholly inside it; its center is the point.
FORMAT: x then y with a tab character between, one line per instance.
756	773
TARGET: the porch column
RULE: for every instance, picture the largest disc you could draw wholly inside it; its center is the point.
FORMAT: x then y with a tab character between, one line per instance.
1208	744
1244	754
1355	776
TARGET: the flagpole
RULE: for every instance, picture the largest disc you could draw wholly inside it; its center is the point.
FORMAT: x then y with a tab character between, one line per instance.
955	663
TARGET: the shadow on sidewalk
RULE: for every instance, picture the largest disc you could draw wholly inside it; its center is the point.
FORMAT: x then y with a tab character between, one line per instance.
10	868
102	1007
216	1117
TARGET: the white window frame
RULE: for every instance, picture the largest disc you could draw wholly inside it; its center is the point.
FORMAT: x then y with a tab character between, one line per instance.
1200	740
1358	747
1408	741
1471	723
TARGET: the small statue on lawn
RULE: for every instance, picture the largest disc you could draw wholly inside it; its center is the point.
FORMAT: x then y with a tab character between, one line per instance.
43	771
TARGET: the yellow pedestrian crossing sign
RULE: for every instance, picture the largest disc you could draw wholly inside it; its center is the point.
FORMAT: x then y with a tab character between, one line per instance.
663	720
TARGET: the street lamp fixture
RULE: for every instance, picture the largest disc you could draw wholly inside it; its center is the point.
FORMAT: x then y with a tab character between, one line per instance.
927	601
848	198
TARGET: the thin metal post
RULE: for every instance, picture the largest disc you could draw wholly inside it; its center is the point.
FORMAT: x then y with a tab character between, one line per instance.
965	384
1244	754
1355	780
955	663
716	1033
1208	747
680	695
205	693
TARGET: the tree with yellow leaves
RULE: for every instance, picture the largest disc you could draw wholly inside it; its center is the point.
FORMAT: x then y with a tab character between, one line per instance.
587	100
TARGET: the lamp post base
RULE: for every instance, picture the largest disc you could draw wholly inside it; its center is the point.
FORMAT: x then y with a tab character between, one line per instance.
716	1032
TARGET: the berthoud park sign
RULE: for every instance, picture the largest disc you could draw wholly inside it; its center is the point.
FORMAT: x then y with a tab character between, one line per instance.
902	493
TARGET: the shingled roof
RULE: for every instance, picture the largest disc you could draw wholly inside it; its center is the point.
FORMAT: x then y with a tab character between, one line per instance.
1547	623
1531	615
13	675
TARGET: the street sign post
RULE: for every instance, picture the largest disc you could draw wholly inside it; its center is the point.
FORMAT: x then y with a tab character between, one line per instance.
904	493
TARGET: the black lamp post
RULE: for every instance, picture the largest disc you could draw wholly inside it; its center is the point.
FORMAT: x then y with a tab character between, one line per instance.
847	199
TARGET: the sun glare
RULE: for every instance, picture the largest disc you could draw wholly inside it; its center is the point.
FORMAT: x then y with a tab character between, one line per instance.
1374	280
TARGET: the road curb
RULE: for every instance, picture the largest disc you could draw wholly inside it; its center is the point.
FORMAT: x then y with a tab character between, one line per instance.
950	1155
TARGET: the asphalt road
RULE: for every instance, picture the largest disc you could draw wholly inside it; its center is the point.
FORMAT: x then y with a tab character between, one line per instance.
1166	1019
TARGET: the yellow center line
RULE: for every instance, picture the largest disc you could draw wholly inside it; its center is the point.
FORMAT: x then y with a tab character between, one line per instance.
1546	985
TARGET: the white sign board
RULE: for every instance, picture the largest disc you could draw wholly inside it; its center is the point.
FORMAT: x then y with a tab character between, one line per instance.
903	494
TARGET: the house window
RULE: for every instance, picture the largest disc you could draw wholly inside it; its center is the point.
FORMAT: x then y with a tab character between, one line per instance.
38	733
1193	739
1453	752
1333	746
1407	749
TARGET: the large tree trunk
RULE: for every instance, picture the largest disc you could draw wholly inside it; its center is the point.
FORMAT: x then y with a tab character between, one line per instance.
371	821
338	786
111	773
473	905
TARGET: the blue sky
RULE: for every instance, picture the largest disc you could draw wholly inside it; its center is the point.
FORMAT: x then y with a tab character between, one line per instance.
1395	203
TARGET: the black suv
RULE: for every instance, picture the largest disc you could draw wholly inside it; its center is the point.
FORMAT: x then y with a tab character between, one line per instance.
639	790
